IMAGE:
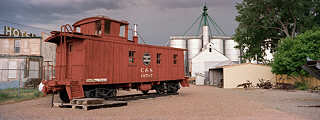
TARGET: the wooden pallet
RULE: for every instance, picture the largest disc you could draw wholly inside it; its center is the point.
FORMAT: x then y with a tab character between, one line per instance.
87	101
104	104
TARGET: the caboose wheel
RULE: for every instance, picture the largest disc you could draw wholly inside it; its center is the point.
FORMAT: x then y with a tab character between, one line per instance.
160	89
90	93
173	87
145	91
109	93
64	96
113	93
101	93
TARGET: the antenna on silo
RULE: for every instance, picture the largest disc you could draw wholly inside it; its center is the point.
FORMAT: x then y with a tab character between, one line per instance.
205	20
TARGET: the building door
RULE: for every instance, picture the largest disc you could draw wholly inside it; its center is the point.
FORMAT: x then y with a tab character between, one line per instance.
216	77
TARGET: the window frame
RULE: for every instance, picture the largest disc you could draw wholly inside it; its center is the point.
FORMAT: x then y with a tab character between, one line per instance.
158	58
17	46
122	30
175	56
98	27
131	56
107	27
12	73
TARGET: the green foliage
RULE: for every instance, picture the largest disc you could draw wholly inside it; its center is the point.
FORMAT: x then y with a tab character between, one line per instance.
37	94
262	23
3	96
11	94
301	85
292	53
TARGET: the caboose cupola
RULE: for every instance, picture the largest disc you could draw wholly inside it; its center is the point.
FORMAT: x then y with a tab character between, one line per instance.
103	27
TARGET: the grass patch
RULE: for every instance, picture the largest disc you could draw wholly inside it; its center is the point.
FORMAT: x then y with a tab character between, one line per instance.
11	95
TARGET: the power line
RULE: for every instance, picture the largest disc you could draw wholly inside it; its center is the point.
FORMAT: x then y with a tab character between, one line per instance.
7	21
140	36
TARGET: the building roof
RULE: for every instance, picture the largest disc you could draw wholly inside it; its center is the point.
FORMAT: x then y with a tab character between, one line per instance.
92	19
6	37
204	49
233	65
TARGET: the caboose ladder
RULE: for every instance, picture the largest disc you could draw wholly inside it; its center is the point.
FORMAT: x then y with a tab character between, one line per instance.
76	90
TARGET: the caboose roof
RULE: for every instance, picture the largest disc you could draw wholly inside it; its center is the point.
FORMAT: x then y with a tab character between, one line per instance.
92	19
56	36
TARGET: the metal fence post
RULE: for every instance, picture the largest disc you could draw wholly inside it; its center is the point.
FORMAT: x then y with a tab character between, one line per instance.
19	80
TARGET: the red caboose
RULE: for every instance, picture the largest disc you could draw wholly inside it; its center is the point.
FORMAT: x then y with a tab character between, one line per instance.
95	57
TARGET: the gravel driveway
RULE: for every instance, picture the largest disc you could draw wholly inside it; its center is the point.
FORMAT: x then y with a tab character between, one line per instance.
193	103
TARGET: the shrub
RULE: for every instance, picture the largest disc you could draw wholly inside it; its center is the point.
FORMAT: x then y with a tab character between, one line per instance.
301	85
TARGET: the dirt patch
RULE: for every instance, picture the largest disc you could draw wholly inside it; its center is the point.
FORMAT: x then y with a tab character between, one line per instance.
193	103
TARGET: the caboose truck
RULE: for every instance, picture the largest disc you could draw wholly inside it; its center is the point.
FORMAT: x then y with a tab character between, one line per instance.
94	58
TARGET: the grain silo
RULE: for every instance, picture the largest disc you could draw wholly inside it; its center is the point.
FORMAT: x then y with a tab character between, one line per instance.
217	44
178	42
197	43
194	47
231	52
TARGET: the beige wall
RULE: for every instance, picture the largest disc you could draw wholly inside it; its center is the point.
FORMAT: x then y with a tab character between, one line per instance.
48	49
234	75
28	46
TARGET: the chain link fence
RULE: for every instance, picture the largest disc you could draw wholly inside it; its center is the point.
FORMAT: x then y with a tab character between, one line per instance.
21	75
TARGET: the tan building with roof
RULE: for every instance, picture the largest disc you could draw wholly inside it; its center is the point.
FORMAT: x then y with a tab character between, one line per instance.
231	76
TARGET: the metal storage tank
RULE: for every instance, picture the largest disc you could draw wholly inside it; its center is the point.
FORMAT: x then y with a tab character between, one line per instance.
177	42
180	42
217	44
194	47
231	52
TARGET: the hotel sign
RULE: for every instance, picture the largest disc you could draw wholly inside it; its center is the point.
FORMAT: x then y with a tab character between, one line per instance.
14	32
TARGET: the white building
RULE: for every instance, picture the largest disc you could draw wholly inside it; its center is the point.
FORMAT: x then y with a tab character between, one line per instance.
208	58
206	51
200	60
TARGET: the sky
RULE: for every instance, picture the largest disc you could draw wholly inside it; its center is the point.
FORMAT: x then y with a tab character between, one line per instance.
157	19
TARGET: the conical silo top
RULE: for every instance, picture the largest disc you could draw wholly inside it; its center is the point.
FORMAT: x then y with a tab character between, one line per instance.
205	20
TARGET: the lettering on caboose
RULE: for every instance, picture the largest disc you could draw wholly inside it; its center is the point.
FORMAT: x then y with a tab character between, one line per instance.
146	72
97	80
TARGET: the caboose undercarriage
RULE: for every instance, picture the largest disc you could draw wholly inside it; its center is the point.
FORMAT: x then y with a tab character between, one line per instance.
110	90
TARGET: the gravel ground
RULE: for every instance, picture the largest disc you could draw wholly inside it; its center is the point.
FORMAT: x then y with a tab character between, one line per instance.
297	102
193	103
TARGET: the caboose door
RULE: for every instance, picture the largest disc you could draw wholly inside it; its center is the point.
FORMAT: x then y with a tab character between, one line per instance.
69	60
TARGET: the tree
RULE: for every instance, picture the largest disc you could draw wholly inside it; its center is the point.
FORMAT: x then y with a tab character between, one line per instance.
262	23
292	53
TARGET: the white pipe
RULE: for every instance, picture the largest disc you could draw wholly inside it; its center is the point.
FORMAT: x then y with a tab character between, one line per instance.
135	30
205	36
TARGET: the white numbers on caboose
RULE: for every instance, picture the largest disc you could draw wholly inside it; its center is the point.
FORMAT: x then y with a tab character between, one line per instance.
146	73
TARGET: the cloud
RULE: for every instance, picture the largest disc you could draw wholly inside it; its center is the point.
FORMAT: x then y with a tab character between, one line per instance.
157	19
45	10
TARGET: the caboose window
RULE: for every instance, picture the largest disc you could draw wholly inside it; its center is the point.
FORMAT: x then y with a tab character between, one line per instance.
107	27
175	58
122	30
98	27
158	58
131	56
78	29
